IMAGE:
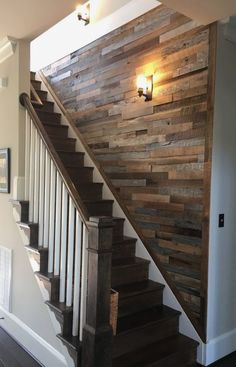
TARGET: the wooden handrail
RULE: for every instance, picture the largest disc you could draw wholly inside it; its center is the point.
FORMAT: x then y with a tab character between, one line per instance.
26	102
201	332
36	101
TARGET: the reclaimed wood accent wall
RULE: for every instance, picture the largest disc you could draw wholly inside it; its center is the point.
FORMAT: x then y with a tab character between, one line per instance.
153	152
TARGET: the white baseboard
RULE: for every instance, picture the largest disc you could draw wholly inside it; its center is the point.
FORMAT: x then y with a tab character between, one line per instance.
220	347
30	341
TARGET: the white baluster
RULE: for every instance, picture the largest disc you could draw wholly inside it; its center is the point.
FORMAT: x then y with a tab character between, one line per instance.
27	155
70	255
41	192
64	233
52	219
46	200
36	178
77	277
31	176
84	270
58	228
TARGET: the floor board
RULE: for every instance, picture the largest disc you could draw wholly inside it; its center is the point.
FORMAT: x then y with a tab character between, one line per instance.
12	354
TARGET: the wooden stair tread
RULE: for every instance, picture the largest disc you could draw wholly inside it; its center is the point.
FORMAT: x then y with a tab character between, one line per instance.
59	307
161	350
71	341
123	263
98	201
46	276
60	139
130	290
124	240
143	318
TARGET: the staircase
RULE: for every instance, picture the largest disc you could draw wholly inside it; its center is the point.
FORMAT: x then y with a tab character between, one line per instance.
147	331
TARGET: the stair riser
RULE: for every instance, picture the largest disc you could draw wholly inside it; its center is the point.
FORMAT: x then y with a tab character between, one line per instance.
72	159
36	84
65	320
58	131
94	193
64	145
32	234
32	75
118	229
131	274
42	95
34	259
85	176
99	209
47	107
181	359
140	302
52	287
123	251
43	261
49	117
137	338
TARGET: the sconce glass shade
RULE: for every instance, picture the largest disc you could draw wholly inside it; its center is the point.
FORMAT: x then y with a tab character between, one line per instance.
145	86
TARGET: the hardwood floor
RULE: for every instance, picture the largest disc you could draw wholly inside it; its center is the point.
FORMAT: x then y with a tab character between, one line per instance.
13	355
229	361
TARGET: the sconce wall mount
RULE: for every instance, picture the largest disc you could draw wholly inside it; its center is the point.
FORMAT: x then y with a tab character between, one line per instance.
84	14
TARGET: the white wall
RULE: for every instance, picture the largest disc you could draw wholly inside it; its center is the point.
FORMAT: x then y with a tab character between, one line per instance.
70	35
28	308
221	328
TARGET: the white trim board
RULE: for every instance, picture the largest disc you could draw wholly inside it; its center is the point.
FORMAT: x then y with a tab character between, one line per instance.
219	347
30	341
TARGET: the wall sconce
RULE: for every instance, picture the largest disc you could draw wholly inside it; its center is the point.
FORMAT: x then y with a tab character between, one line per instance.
145	86
84	13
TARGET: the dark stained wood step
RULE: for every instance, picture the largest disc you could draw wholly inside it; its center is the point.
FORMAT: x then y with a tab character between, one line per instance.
22	208
71	159
38	256
32	75
74	347
47	106
130	270
42	95
51	117
66	144
54	130
143	328
123	247
174	351
51	283
31	230
91	191
139	296
118	228
63	314
99	207
81	175
36	84
77	173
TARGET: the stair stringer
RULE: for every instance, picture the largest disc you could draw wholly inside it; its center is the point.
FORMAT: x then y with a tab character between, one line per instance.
44	292
169	298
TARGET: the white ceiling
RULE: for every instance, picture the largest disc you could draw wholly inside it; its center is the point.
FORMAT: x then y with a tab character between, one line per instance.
29	18
204	11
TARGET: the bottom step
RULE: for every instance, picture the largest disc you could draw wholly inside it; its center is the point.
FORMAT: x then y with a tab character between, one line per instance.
176	351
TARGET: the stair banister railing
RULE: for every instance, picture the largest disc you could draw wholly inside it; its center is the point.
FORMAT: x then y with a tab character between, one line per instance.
55	205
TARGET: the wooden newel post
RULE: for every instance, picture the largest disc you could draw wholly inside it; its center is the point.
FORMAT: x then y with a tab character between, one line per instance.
97	332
